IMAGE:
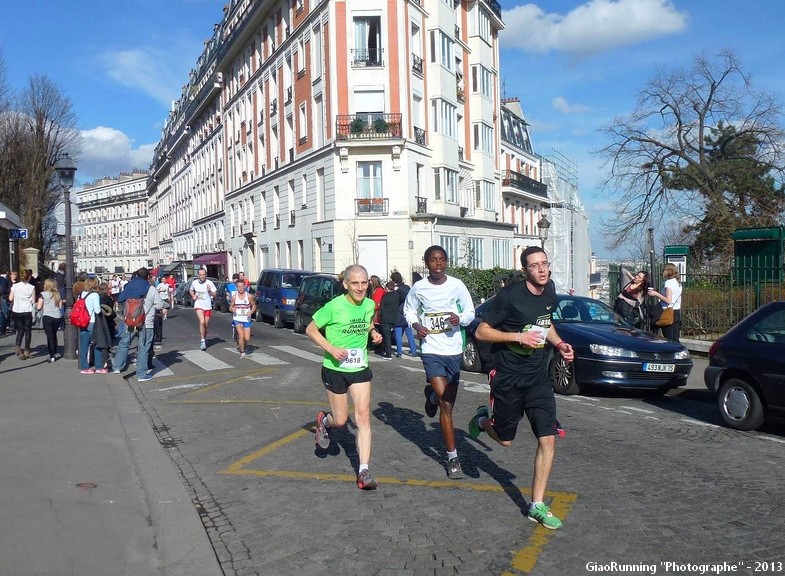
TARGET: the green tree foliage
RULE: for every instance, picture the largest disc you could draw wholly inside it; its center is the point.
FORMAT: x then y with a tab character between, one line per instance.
673	158
748	195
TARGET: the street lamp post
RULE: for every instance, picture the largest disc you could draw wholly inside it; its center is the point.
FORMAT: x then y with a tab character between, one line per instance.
542	230
65	169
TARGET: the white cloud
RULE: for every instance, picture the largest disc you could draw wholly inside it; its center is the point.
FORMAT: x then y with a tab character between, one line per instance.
591	28
561	104
149	70
108	151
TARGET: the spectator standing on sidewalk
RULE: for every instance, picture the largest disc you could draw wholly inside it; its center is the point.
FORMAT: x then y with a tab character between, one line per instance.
388	310
138	287
401	325
517	322
436	307
347	320
22	299
53	315
93	304
5	290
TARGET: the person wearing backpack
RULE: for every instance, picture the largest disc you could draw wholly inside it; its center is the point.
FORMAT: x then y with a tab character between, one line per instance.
141	301
93	304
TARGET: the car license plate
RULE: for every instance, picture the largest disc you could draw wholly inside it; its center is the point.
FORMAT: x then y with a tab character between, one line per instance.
649	367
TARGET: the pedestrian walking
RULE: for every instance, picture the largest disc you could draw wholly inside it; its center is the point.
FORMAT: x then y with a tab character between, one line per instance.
23	301
346	321
401	325
388	310
52	306
436	307
518	322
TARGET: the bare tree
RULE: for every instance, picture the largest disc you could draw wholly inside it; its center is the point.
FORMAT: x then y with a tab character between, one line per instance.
34	133
659	161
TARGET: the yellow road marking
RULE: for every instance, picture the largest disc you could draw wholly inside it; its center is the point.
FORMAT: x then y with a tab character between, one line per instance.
228	401
523	561
232	380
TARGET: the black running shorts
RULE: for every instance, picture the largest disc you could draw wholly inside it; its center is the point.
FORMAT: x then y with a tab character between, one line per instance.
339	382
511	399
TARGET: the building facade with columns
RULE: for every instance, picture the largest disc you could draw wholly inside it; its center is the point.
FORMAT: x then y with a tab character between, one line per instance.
113	214
313	134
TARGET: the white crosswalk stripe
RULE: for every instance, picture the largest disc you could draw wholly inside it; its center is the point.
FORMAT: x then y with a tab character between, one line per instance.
260	358
204	360
160	370
300	353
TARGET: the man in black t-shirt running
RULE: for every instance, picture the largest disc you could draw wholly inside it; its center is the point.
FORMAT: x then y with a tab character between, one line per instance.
518	322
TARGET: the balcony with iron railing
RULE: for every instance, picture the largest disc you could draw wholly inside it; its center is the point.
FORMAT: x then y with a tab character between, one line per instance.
376	126
524	183
419	136
367	57
288	95
273	107
422	204
416	64
373	206
495	8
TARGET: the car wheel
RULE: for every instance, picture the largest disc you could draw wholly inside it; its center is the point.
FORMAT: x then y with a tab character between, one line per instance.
278	319
563	375
740	405
471	357
298	322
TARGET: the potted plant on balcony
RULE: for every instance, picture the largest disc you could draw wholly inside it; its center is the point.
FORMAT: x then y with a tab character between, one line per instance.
381	126
357	125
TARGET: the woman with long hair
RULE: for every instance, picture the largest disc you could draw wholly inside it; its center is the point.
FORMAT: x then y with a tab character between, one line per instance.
93	304
51	304
22	298
671	299
630	300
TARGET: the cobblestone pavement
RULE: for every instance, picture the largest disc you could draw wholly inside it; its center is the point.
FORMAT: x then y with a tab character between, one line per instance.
637	481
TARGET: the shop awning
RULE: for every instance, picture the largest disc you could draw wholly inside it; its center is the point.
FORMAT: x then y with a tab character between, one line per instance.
169	268
216	259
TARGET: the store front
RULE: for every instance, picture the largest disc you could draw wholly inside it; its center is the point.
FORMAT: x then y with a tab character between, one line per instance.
215	264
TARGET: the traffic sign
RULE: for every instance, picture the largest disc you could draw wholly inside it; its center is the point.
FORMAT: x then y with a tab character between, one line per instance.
60	212
75	230
17	234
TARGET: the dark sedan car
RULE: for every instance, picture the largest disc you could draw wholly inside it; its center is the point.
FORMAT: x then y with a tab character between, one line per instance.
315	291
608	352
747	368
220	302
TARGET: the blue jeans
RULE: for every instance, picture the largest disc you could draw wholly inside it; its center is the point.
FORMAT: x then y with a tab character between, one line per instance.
5	314
409	336
142	350
85	334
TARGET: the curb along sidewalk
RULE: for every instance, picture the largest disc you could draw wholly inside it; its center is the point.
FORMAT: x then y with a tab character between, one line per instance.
86	487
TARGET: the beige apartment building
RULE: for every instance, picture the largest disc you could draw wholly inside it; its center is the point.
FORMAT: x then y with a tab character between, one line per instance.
313	134
111	231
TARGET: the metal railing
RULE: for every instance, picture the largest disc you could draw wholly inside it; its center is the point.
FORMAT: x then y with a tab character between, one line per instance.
368	126
379	206
524	183
419	136
367	57
422	204
416	64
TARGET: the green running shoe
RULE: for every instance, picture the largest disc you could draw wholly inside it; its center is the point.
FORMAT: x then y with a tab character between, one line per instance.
542	514
474	426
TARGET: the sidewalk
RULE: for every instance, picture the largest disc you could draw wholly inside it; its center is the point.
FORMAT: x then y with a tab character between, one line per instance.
86	487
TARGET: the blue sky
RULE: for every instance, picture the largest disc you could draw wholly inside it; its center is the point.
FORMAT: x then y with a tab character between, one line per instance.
575	65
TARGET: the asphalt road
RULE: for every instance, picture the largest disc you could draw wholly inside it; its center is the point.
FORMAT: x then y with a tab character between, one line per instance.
638	481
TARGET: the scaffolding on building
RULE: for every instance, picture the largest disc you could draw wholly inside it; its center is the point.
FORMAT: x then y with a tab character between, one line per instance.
568	244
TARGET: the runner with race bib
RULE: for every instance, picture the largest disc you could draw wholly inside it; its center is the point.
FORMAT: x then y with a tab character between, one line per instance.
242	306
436	308
346	321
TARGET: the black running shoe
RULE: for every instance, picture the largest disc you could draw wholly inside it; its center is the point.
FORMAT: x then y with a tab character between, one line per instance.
365	481
322	437
430	407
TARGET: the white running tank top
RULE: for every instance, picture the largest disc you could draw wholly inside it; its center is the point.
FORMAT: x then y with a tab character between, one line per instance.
242	308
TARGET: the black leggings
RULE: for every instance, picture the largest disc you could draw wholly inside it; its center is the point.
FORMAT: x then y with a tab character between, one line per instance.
23	321
51	325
